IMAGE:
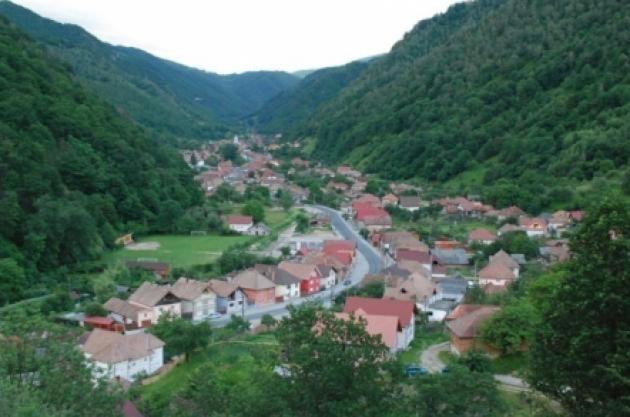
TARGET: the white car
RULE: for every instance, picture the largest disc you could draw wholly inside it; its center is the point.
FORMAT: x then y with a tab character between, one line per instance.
214	316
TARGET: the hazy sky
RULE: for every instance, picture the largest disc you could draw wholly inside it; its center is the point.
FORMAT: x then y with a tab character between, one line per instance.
240	35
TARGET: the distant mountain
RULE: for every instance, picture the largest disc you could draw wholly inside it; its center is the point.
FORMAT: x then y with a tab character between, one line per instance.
295	106
73	172
164	96
303	73
526	91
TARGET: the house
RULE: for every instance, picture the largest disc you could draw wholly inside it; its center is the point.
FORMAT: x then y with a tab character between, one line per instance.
507	260
450	291
115	355
105	323
410	202
258	289
391	241
240	224
160	299
230	298
417	288
159	269
403	311
389	200
259	229
512	212
287	286
198	299
483	236
338	186
534	227
453	258
328	276
508	228
131	316
309	276
495	277
447	244
372	218
124	240
423	258
348	172
369	199
385	326
464	324
343	250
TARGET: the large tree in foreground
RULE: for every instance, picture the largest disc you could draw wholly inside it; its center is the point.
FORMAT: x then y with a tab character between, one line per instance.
335	368
581	353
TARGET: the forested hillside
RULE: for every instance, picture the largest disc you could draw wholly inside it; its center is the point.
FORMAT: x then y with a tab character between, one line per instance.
528	91
293	107
73	173
164	96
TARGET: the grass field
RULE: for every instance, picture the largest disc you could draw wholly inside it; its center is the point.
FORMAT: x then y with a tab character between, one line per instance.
238	357
180	250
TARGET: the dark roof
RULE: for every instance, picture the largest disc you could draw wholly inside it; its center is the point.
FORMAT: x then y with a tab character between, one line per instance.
451	256
396	270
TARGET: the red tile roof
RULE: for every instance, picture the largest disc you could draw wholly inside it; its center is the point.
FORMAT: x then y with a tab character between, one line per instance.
236	219
382	307
412	255
480	235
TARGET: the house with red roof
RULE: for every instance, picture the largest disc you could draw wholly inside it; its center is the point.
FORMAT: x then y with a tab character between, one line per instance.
342	250
381	311
464	324
240	224
308	275
481	235
370	217
423	258
533	226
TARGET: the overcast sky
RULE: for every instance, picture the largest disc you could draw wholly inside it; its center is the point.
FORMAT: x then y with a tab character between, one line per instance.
228	36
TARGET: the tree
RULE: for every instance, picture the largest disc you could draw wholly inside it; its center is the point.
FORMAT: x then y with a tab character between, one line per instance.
229	152
181	336
286	200
238	324
335	368
457	393
268	320
509	328
580	350
95	309
255	209
303	223
12	281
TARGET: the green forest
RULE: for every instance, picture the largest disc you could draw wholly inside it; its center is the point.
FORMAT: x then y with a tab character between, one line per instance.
516	95
73	173
291	108
168	98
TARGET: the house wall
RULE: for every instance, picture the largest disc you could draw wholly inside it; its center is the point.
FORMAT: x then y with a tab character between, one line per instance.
241	228
309	286
405	336
174	309
204	305
329	281
260	296
486	281
131	368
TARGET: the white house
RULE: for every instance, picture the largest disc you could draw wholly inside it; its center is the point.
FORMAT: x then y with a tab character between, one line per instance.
329	276
240	224
198	299
287	286
160	299
124	356
230	299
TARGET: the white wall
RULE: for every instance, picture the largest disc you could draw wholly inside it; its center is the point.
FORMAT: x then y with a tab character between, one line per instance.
130	369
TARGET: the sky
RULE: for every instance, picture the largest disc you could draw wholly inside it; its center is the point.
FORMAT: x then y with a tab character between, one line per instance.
228	36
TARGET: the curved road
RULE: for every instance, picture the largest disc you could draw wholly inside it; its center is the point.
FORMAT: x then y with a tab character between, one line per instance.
430	360
368	261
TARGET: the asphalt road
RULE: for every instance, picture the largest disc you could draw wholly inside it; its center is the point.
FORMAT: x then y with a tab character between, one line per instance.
367	261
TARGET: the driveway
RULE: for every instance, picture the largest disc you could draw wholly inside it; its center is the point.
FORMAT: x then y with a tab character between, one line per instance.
430	360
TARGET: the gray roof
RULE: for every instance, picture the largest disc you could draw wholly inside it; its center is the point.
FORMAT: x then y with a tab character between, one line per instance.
452	285
519	258
451	256
282	277
396	270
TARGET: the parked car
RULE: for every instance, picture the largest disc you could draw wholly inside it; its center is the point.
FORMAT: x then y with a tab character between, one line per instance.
347	282
414	370
214	316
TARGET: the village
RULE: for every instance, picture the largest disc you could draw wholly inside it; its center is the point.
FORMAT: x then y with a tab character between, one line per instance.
360	240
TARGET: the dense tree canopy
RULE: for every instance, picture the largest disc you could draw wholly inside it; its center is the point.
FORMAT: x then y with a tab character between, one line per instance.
73	173
580	353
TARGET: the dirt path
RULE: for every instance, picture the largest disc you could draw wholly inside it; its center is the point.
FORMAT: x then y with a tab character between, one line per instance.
430	359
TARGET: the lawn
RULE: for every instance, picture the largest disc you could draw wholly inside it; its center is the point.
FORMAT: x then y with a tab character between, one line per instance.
238	357
424	338
180	251
506	364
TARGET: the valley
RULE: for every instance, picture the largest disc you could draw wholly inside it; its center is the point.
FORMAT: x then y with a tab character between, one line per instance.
439	230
